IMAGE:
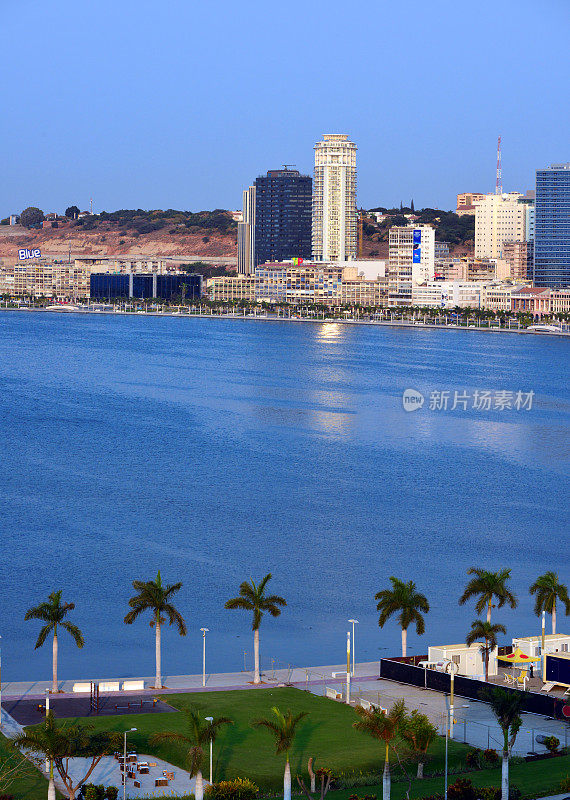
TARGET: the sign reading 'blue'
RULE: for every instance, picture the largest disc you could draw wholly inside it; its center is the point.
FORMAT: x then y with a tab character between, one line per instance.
23	255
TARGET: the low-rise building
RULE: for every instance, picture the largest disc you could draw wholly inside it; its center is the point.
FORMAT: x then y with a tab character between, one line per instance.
123	286
45	277
230	288
468	658
465	268
532	645
498	296
529	300
466	202
447	294
560	301
126	264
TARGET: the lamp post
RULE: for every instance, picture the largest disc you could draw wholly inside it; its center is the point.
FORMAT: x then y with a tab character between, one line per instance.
348	668
204	632
543	648
210	720
354	622
125	763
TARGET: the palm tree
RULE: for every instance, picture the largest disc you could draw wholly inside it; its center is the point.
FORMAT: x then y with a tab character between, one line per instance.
252	597
404	600
488	586
384	727
199	734
548	590
153	596
53	613
506	706
62	745
484	631
284	729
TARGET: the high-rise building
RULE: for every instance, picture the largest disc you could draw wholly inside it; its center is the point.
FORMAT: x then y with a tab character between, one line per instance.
500	218
335	223
411	260
283	208
552	227
246	234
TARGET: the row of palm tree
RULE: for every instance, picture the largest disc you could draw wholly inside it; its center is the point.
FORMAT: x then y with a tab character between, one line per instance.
490	589
402	600
155	597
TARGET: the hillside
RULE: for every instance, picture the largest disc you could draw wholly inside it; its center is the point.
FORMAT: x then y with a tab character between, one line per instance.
208	234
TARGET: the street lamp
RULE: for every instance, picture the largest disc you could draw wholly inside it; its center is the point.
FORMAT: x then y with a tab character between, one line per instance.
210	720
348	668
354	622
125	764
204	632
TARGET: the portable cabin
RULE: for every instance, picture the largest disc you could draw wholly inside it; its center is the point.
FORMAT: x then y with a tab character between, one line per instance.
468	658
558	669
553	643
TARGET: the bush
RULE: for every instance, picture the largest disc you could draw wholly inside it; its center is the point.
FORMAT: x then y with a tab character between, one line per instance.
31	216
551	743
238	789
90	791
462	789
473	758
111	793
565	784
491	756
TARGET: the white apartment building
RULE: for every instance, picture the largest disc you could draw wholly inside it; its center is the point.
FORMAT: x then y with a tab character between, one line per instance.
448	294
335	224
246	234
501	218
411	260
497	296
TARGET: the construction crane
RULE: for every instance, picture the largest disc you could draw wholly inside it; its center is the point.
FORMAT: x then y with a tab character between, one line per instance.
499	182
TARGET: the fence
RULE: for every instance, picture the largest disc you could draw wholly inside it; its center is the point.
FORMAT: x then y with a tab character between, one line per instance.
464	687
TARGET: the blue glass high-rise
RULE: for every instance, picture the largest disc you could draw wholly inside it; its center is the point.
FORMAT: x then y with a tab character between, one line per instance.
552	227
283	216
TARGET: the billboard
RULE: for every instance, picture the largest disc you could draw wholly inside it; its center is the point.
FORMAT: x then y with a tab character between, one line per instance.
25	254
417	247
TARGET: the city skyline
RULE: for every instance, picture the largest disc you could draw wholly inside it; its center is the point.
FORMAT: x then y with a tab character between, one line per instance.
149	125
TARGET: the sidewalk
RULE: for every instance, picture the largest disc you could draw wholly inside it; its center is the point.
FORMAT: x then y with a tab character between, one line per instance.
308	676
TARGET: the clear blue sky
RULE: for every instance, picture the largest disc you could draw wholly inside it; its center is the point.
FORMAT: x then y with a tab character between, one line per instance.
181	104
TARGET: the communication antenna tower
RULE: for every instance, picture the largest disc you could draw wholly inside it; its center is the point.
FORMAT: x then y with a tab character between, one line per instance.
499	183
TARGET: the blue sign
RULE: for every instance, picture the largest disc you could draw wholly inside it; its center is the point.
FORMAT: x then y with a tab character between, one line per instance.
23	255
417	256
417	236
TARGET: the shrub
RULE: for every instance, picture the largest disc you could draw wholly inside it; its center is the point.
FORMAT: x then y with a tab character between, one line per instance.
472	758
111	793
551	743
491	756
238	789
462	789
565	784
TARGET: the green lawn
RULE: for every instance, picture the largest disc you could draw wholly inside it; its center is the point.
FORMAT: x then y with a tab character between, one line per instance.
241	750
29	783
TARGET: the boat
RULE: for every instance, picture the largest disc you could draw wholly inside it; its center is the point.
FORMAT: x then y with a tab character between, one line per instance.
63	307
544	328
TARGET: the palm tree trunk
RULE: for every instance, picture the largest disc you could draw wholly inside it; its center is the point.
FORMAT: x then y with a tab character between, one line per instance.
404	641
54	686
286	781
554	617
486	662
51	784
199	789
505	777
256	678
489	612
420	769
158	680
386	777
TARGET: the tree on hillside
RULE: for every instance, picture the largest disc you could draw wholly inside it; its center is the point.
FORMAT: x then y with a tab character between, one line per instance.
53	614
384	727
31	216
548	590
155	597
252	597
72	212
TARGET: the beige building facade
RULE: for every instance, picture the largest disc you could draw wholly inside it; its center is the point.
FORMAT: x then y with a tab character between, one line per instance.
499	218
231	288
335	224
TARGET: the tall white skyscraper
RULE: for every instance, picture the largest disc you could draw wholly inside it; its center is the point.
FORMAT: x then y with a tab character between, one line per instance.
335	224
246	235
501	218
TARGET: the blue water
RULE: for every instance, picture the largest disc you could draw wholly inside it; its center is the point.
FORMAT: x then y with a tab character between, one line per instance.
219	450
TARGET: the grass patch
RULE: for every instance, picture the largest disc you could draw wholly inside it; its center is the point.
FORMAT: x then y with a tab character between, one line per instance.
29	783
242	751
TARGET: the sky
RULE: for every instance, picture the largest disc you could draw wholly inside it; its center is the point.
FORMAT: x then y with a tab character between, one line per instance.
180	104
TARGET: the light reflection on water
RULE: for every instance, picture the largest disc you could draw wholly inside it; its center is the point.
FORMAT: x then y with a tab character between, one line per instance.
220	450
